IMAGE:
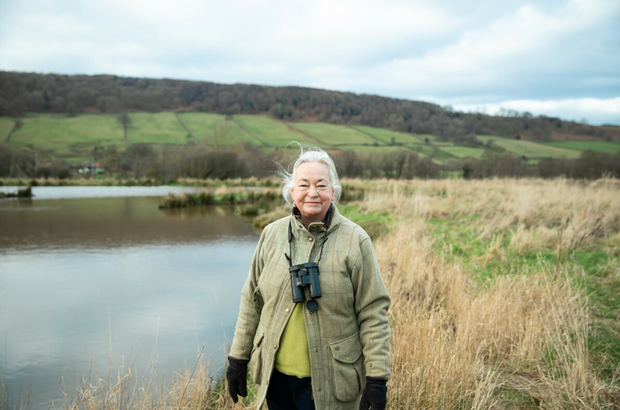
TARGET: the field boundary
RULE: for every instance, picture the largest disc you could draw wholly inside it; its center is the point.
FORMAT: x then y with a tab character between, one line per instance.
250	133
189	133
374	137
310	136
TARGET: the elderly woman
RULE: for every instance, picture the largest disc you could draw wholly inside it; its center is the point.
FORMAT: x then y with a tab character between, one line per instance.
313	320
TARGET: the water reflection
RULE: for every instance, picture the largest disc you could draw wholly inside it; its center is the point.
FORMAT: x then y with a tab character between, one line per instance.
111	223
67	192
85	282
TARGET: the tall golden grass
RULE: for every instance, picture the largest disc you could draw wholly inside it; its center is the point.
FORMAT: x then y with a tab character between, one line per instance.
565	214
520	342
516	342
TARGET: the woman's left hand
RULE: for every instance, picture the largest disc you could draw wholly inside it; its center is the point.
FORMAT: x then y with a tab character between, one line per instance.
375	394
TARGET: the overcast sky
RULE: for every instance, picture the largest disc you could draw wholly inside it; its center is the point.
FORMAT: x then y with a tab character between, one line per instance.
552	57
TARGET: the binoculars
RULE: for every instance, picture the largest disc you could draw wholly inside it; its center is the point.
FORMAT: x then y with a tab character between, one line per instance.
305	274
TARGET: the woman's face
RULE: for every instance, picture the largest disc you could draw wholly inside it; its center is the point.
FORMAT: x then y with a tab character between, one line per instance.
312	191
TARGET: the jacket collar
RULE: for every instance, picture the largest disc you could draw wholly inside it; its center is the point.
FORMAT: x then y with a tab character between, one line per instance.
329	223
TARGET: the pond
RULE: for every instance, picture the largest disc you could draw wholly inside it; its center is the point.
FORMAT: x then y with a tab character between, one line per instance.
94	278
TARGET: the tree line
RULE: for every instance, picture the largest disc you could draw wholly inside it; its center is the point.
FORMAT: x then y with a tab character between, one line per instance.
201	161
22	93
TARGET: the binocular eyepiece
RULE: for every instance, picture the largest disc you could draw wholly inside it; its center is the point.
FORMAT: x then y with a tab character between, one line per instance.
305	274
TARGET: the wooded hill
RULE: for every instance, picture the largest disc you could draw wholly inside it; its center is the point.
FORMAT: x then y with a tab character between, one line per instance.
22	93
53	125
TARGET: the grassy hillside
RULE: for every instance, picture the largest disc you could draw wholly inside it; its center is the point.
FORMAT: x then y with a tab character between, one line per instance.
63	137
531	149
206	127
159	128
73	138
268	132
599	146
6	125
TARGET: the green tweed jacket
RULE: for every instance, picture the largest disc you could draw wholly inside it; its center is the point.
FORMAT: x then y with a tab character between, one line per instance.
348	336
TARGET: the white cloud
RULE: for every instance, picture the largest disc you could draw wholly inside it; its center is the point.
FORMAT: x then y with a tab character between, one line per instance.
524	53
594	110
466	52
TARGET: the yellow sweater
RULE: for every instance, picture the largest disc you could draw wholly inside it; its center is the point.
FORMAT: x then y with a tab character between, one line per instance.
293	358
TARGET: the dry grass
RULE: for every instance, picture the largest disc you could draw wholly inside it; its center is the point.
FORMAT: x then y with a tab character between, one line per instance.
192	388
563	214
521	343
516	342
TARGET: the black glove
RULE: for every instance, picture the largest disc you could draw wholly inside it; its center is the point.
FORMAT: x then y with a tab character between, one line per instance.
237	375
375	394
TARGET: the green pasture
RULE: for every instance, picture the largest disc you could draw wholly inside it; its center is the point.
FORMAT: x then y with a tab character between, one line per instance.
372	149
67	136
205	127
74	138
201	124
530	149
438	154
272	132
155	128
598	146
388	136
333	135
462	152
6	125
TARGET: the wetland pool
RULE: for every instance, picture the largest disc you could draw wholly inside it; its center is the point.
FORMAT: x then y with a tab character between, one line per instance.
96	278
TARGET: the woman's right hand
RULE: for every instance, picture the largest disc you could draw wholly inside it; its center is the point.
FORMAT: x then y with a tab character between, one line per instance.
237	375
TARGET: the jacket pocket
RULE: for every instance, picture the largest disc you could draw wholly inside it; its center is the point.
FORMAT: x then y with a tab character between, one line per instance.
347	365
257	298
256	359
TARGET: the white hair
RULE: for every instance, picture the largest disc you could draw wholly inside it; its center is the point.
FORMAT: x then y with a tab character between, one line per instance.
309	154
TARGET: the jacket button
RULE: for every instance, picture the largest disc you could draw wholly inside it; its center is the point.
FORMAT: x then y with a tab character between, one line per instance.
337	348
310	239
275	346
286	310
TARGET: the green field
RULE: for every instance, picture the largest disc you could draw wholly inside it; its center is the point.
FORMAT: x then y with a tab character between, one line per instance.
73	138
462	152
530	149
206	127
333	135
598	146
388	136
380	149
156	128
271	132
67	136
6	125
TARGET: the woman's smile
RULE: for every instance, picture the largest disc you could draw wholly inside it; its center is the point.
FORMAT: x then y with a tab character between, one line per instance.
312	192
